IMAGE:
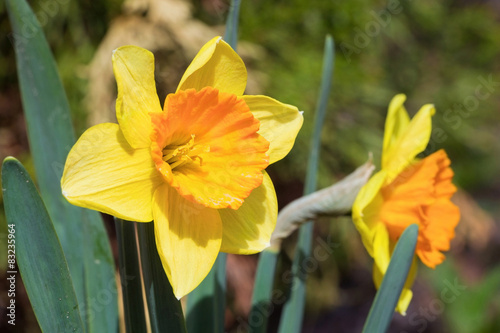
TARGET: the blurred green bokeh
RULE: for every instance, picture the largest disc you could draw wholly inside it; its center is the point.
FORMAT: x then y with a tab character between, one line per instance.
434	52
440	52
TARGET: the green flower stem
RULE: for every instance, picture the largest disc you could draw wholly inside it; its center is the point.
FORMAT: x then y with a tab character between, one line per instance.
165	311
130	275
293	312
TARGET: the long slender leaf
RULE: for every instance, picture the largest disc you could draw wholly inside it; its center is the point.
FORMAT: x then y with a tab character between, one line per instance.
262	292
220	292
130	270
38	252
293	312
81	232
205	306
165	311
388	294
101	302
232	21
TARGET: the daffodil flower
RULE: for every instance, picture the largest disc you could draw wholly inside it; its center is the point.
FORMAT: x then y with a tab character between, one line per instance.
405	191
195	167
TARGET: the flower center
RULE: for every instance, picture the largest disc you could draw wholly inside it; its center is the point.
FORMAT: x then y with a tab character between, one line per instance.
205	144
176	156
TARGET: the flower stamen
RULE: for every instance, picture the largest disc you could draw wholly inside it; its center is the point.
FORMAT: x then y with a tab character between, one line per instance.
205	144
176	156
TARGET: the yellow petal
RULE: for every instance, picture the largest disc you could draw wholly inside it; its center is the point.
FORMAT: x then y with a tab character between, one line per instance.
410	142
396	122
188	237
366	207
104	173
381	248
279	124
248	229
216	65
134	71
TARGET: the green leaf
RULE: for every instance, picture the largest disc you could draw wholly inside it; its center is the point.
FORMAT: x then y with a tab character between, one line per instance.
81	233
206	304
100	309
262	291
165	311
38	253
130	275
293	311
232	22
319	117
388	294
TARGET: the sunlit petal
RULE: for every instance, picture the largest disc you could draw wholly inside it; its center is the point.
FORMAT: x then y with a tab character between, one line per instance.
216	65
365	210
279	124
411	142
381	248
134	71
188	238
104	173
248	229
396	122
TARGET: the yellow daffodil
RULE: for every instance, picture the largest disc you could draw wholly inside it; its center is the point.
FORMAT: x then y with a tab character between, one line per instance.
195	167
405	191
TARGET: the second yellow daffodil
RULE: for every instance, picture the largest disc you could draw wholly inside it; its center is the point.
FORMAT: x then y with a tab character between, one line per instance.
195	167
407	191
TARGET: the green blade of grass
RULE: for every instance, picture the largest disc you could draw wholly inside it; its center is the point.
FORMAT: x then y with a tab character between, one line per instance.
220	292
81	232
206	304
293	311
130	275
388	294
165	311
232	22
38	253
262	292
100	308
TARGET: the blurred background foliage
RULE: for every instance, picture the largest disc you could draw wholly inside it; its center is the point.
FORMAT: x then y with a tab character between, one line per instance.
441	52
